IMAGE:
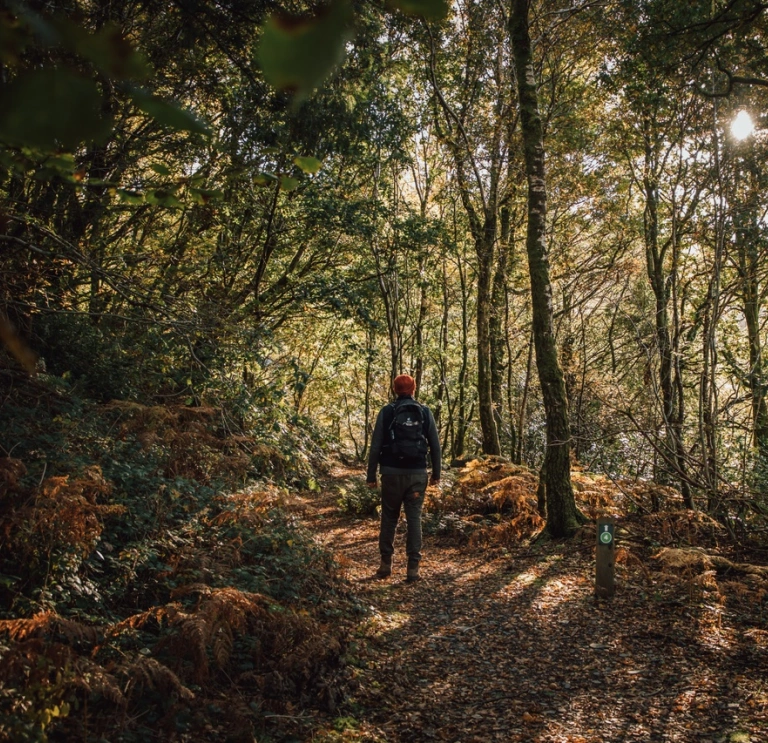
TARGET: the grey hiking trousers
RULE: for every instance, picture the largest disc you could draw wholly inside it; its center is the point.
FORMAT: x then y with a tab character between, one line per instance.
406	490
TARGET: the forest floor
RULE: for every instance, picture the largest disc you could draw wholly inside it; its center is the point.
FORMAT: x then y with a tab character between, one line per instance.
215	613
510	644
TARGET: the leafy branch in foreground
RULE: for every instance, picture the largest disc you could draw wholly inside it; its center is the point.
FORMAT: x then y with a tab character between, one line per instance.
297	53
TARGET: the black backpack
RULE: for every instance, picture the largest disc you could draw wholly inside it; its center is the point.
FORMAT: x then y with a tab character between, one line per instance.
405	436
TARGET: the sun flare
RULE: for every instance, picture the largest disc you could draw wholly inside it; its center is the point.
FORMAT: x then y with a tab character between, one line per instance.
742	126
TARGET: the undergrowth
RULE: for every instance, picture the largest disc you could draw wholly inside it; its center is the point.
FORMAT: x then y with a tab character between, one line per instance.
358	499
154	581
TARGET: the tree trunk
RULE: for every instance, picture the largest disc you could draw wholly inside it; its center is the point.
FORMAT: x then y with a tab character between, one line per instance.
497	331
442	387
462	417
660	284
512	448
756	376
518	458
563	518
484	356
423	307
746	238
483	226
707	420
369	353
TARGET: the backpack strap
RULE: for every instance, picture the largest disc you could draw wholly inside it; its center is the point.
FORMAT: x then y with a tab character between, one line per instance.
392	408
424	417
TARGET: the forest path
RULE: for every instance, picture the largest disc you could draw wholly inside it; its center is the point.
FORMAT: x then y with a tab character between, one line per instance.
512	646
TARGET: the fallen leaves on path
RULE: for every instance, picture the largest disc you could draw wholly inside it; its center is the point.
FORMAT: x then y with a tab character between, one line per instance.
509	644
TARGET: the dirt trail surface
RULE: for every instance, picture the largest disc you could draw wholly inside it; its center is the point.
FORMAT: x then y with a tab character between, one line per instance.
512	646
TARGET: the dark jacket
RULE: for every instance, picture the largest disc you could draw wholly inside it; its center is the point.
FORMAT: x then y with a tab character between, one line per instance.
379	455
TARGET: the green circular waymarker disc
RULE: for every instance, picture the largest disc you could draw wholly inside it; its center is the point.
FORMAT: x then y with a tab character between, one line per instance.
606	537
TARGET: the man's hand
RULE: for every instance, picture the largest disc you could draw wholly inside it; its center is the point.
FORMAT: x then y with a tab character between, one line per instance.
371	484
434	481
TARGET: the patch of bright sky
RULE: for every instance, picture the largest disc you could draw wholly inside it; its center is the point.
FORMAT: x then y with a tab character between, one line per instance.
742	126
591	164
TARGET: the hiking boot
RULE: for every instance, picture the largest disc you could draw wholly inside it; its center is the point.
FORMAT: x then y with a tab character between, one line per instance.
385	568
413	572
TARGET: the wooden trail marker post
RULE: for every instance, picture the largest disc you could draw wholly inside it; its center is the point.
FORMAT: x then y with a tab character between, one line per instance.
605	558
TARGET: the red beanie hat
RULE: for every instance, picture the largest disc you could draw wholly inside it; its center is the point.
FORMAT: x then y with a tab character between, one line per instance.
404	385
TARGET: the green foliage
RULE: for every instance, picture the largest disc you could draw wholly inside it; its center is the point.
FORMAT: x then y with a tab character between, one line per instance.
107	49
126	524
340	724
359	499
308	164
168	114
433	10
51	108
27	713
59	106
93	357
448	525
298	54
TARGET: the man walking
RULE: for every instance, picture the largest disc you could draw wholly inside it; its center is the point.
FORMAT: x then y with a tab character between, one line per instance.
404	431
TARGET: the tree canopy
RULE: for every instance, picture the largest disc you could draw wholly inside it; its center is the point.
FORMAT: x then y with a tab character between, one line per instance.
539	209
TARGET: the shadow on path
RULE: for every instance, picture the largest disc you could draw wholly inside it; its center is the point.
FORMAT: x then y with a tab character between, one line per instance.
514	647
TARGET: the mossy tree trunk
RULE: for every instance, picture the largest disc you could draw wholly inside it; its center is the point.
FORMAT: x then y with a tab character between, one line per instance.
563	518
